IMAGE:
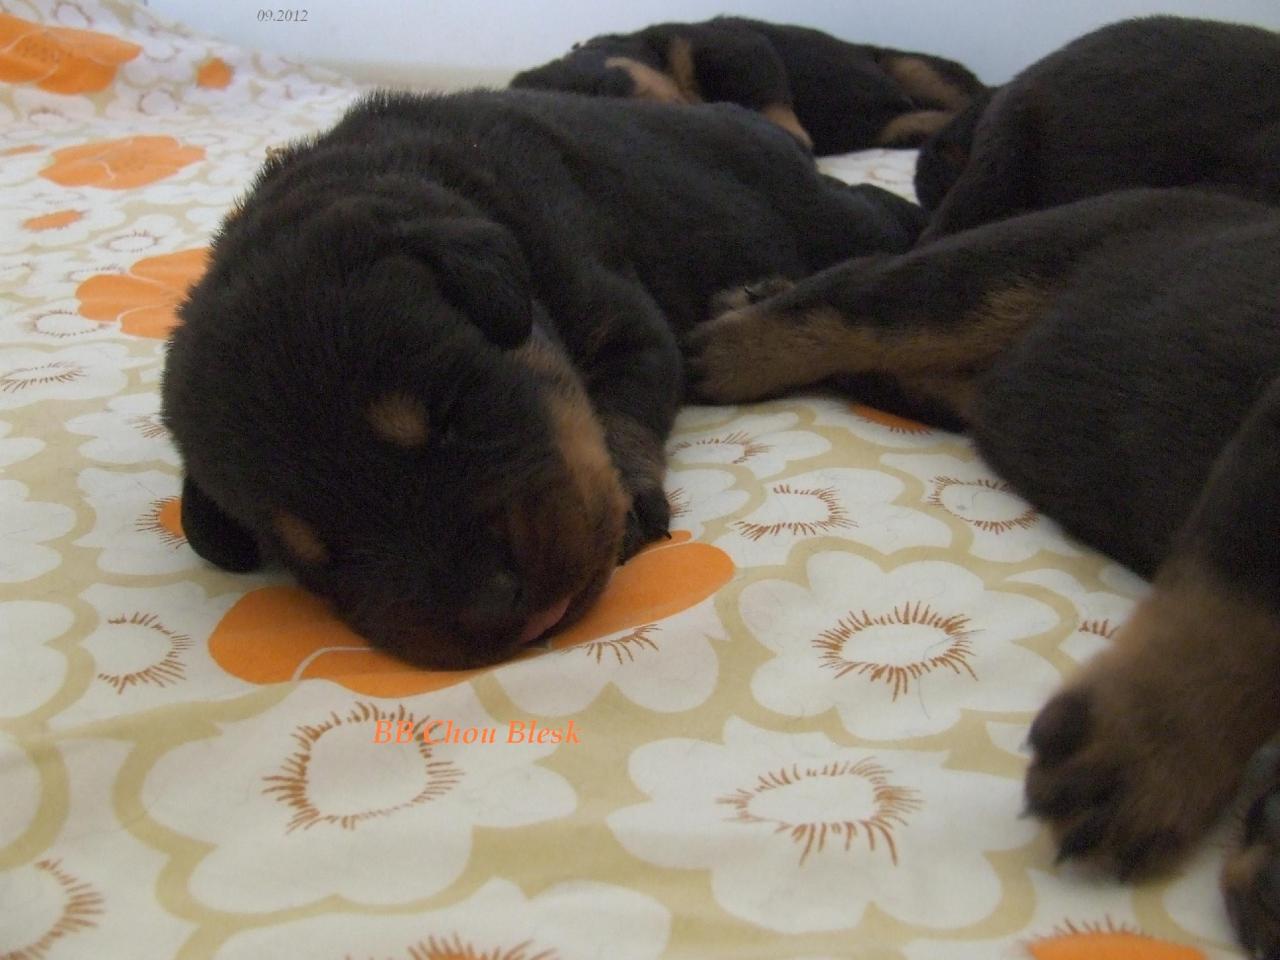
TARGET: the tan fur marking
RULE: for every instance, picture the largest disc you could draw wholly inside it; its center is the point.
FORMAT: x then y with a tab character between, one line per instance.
300	538
1184	696
784	116
911	129
649	84
680	63
399	419
753	353
923	82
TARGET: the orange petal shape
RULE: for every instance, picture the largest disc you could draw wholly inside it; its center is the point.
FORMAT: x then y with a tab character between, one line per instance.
52	221
1109	945
214	74
120	164
279	634
60	59
891	420
145	299
656	583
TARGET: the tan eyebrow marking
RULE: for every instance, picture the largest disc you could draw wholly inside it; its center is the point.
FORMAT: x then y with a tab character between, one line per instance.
300	538
399	419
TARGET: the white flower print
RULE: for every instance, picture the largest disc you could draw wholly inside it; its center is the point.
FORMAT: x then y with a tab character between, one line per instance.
577	920
898	652
25	526
304	785
1004	526
801	834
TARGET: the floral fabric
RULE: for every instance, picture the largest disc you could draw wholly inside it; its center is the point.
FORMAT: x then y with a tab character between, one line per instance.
794	730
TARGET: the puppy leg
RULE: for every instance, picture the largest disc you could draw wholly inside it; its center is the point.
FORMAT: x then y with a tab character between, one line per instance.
930	320
1136	757
723	62
1251	874
632	373
995	183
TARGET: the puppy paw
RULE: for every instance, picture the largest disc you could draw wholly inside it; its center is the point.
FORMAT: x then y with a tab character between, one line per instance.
1251	878
648	520
735	298
1121	773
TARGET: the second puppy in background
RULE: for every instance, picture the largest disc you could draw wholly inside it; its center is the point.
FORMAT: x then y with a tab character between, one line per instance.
831	95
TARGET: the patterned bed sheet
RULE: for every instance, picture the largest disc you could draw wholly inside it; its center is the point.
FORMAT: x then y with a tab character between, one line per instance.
795	730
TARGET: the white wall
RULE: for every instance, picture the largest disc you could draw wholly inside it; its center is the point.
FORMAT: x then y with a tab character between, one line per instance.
993	37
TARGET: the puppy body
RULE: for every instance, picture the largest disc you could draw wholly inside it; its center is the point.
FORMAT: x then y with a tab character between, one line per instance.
432	364
831	95
1118	360
1156	101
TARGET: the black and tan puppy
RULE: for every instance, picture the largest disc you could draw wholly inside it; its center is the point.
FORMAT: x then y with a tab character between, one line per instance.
433	362
831	95
1118	360
1157	101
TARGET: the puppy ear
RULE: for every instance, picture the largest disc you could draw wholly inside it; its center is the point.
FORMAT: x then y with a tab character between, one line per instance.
214	535
482	271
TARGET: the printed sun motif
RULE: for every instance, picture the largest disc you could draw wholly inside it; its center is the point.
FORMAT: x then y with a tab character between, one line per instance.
873	808
891	634
164	520
146	628
81	906
827	501
292	785
625	648
454	948
988	504
55	371
737	448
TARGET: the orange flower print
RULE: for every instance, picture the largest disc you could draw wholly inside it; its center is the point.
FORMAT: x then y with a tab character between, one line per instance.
214	74
60	59
52	221
279	634
120	164
143	300
1106	941
21	150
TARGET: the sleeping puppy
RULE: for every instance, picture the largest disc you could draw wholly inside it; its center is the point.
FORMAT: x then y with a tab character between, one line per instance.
1157	101
832	96
1118	361
433	362
945	154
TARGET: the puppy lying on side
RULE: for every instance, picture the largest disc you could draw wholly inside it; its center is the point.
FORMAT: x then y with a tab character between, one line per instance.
1157	101
1118	361
433	362
832	96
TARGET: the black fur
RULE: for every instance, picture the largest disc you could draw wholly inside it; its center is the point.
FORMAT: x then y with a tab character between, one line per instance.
844	94
1156	101
492	262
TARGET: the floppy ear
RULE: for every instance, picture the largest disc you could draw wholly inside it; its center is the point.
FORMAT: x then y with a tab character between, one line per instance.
214	535
481	270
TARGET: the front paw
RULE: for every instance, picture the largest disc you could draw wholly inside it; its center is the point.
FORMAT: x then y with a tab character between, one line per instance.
1121	773
723	359
735	298
648	520
1251	878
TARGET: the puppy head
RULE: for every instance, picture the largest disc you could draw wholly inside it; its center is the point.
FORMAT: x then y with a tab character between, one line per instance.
367	396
